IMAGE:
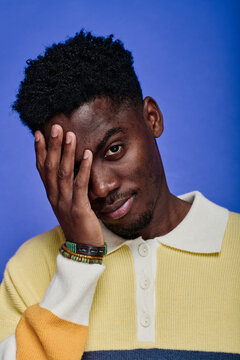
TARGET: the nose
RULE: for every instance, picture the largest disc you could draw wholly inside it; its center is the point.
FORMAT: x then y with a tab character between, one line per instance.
102	181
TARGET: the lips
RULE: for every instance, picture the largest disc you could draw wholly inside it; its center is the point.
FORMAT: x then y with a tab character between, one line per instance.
118	209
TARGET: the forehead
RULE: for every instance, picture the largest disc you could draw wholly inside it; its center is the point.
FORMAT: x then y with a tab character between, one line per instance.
91	121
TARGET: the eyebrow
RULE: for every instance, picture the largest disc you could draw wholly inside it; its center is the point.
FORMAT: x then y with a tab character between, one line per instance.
108	134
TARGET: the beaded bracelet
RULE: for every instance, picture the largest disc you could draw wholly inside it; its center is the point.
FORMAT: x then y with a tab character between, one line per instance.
85	249
79	258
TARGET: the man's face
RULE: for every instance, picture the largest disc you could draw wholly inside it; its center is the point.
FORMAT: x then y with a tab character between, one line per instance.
125	177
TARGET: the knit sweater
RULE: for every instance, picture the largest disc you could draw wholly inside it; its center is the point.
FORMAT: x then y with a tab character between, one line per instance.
176	296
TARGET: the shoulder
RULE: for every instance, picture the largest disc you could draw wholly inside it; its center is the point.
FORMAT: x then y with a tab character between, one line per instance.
39	250
234	218
233	225
42	245
231	240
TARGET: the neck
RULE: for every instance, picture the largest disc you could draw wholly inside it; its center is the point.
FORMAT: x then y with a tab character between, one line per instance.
169	211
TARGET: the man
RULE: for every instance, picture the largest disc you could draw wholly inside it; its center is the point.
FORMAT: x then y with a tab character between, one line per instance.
168	286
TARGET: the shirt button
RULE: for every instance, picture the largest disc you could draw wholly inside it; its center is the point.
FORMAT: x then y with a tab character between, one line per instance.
145	283
145	320
143	250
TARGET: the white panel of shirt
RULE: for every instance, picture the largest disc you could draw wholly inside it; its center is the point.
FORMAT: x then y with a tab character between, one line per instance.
144	255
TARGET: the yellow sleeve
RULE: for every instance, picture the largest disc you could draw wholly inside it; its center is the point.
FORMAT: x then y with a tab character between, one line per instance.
41	335
27	277
57	328
45	326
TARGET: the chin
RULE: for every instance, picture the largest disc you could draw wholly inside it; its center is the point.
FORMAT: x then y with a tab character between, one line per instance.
131	230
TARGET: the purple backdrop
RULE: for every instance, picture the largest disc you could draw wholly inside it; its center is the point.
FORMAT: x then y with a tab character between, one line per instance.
186	56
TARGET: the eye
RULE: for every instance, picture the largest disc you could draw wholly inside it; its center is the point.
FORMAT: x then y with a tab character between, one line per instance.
113	150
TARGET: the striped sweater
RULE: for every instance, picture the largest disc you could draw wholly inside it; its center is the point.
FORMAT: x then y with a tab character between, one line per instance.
176	296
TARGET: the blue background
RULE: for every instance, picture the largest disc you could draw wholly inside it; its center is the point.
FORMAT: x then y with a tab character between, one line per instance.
186	56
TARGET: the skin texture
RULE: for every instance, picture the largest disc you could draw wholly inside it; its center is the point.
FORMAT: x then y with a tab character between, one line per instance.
114	157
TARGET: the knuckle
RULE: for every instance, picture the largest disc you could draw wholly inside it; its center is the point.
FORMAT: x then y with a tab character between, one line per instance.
48	165
76	211
79	184
62	173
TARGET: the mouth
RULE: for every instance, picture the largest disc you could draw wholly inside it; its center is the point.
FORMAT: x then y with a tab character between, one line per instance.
119	210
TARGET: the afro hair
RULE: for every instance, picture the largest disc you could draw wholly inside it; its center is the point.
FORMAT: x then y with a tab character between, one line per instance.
75	72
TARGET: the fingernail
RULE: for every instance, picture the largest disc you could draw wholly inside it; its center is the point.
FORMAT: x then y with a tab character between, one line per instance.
37	137
54	131
68	138
86	154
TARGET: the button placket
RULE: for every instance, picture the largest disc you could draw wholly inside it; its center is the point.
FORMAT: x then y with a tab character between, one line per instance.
145	282
143	256
145	320
143	250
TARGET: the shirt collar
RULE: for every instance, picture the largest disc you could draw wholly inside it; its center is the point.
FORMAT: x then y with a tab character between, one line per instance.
201	231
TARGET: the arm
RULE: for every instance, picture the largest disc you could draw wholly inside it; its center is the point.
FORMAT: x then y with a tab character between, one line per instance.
57	327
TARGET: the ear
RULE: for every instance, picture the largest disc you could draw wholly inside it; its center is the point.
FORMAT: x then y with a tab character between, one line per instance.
153	116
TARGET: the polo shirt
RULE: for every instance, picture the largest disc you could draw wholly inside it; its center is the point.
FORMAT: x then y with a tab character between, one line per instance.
175	296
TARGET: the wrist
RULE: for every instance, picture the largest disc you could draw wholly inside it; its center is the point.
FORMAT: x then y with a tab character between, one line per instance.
95	243
83	252
86	249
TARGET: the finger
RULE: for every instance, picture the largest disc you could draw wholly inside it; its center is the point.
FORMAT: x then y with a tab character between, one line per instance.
65	172
41	153
80	188
52	162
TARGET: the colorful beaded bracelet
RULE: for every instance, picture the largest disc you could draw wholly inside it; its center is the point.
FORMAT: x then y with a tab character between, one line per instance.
84	249
80	258
76	254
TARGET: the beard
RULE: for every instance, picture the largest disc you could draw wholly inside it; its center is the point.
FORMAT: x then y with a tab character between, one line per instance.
131	231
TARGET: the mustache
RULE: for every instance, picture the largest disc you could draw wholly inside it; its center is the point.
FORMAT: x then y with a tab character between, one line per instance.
100	203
